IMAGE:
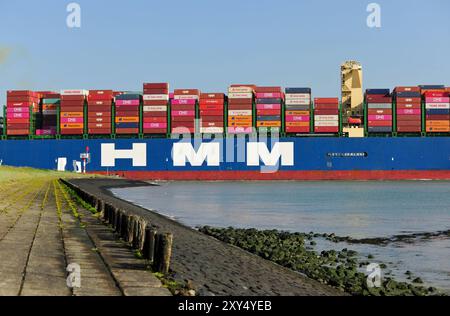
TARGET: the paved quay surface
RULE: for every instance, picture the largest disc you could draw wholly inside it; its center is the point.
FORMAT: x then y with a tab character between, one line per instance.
42	232
213	267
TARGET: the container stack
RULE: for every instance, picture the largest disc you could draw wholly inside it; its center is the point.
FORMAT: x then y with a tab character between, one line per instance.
100	112
408	109
437	105
326	115
183	111
269	102
379	110
297	110
51	102
212	106
240	109
155	110
19	106
127	113
72	112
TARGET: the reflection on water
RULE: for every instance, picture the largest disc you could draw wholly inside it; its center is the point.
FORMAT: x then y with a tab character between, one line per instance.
356	209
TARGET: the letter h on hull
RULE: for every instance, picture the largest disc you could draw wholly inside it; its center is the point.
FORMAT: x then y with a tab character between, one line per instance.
138	155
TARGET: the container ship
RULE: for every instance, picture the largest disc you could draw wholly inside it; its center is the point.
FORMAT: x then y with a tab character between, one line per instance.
249	133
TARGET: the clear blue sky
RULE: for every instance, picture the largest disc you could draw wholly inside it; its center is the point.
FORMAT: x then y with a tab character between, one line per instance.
209	44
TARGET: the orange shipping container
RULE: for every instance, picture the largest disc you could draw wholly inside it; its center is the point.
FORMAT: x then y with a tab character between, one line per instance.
438	123
240	118
298	113
71	114
268	124
297	124
239	124
70	125
436	129
127	119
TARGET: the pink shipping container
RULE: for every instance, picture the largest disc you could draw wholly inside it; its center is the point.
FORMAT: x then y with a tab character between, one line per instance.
71	120
297	118
268	95
380	117
438	100
127	102
184	102
183	113
18	110
239	130
23	115
409	111
268	106
155	125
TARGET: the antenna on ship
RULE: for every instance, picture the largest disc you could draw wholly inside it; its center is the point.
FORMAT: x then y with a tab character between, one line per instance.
352	98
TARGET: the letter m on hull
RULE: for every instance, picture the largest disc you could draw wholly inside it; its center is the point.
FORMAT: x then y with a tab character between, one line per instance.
257	152
138	155
183	152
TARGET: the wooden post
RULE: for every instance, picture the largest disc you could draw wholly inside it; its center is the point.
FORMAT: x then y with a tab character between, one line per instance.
124	226
149	243
163	252
139	233
130	228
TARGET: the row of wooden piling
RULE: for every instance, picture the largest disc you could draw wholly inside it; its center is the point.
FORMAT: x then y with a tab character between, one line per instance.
135	230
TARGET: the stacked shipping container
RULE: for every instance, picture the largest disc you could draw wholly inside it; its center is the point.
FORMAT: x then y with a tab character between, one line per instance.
326	115
408	109
100	112
72	112
19	106
298	110
212	106
155	110
240	109
51	102
127	113
269	102
379	110
437	105
184	111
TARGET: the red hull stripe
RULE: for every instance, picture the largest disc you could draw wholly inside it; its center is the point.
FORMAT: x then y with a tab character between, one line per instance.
283	175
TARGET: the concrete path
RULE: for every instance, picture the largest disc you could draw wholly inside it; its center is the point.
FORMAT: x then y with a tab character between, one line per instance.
43	233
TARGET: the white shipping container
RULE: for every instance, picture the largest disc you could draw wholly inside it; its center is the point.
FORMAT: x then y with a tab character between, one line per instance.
156	97
240	95
74	92
186	97
326	123
326	117
239	112
294	96
152	108
240	90
441	106
211	130
298	102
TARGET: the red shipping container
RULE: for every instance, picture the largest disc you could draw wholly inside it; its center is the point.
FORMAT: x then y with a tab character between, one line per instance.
268	90
240	101
380	123
183	118
433	94
100	125
155	114
25	125
326	101
183	107
437	117
297	129
409	123
212	118
379	111
378	99
268	112
100	95
409	117
409	129
233	107
403	106
212	96
409	100
183	124
211	101
325	129
124	131
156	91
127	107
73	98
18	120
99	131
326	112
99	120
407	89
72	103
157	85
99	114
71	131
211	113
155	119
155	102
187	92
20	93
19	104
155	131
98	103
218	107
22	99
212	124
17	132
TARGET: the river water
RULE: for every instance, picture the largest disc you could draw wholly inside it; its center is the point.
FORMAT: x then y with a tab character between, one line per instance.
356	209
